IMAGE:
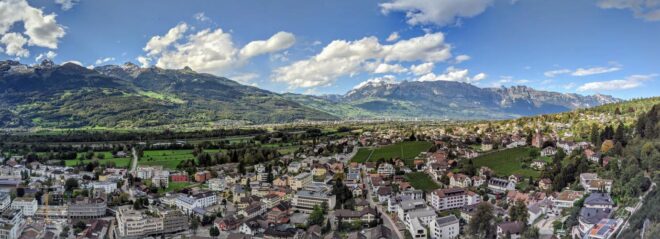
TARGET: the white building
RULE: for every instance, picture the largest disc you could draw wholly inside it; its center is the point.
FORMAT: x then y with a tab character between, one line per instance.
448	198
107	187
305	200
386	169
294	167
300	181
5	201
11	223
198	200
216	184
445	228
28	206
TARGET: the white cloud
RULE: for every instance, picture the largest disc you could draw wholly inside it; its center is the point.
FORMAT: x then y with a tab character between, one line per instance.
209	51
441	13
157	44
49	55
422	69
144	61
381	68
245	78
554	73
200	16
39	29
103	60
66	4
347	58
569	86
393	37
461	58
277	42
453	74
594	70
316	43
648	10
629	82
15	43
378	81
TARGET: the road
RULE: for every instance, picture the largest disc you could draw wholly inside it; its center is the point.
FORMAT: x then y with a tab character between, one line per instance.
389	223
134	161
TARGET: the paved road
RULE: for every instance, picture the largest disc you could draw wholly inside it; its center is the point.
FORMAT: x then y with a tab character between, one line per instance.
389	223
134	161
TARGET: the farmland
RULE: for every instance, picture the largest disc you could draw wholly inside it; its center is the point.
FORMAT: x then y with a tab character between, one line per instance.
103	158
422	181
407	151
506	162
168	158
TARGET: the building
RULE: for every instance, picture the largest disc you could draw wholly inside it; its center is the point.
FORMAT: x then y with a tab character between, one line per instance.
448	198
201	177
366	215
300	181
510	228
548	151
597	206
107	187
28	206
161	179
87	208
216	184
460	180
566	199
5	201
445	228
197	200
386	169
11	223
499	185
591	183
305	200
134	224
604	229
179	177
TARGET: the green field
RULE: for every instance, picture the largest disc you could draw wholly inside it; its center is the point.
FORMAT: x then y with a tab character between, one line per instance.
506	162
119	162
407	151
422	181
106	158
176	186
168	158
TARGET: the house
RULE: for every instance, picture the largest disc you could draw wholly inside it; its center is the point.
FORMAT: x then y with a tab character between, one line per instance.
548	151
597	206
460	180
591	183
591	155
281	181
545	184
294	167
384	193
366	215
511	228
499	185
604	229
228	223
567	146
253	227
378	232
386	169
478	180
319	170
538	164
566	199
516	178
444	228
513	196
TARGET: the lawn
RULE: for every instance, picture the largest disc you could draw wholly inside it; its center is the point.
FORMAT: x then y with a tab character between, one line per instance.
407	151
168	158
176	186
506	162
422	181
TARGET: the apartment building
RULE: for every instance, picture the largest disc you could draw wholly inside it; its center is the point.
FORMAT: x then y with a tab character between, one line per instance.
448	198
27	205
444	228
300	181
305	200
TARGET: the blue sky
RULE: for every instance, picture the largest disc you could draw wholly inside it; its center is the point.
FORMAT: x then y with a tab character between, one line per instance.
320	47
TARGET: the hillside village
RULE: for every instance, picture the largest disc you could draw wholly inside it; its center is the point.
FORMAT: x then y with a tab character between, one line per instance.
456	181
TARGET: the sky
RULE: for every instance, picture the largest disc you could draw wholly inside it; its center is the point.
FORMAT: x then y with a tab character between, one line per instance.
330	47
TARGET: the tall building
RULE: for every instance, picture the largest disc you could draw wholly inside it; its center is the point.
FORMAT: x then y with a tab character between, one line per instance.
27	205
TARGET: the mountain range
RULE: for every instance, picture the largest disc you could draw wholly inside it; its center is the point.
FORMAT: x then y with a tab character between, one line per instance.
127	96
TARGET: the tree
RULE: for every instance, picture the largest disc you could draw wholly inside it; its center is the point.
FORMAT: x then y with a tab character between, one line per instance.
531	233
518	212
316	217
70	184
194	224
482	222
214	231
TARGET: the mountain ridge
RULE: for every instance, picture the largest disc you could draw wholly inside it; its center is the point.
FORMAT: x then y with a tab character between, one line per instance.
127	96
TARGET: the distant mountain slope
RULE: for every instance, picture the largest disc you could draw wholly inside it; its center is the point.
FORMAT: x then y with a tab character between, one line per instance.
71	96
452	100
126	96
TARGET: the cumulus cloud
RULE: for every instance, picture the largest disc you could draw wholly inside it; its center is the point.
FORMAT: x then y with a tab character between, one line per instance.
461	58
103	60
393	37
554	73
39	29
277	42
380	68
208	50
378	81
347	58
66	4
48	55
15	43
629	82
441	13
648	10
144	61
453	74
157	44
422	69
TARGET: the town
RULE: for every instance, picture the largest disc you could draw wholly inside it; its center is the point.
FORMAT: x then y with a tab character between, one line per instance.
526	178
